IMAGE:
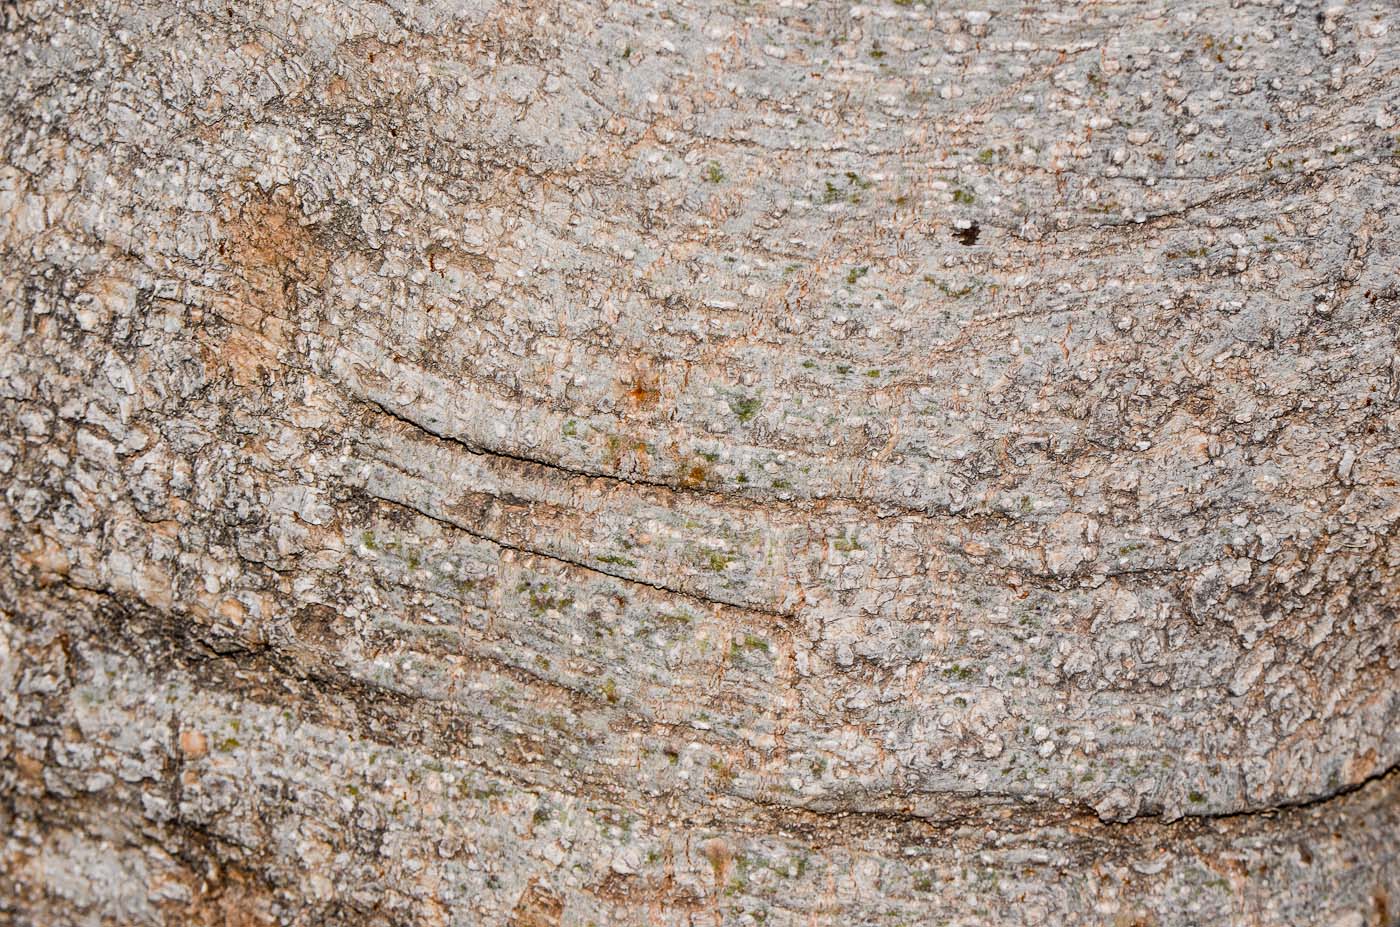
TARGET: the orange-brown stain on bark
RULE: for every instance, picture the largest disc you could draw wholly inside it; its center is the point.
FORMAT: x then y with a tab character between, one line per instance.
273	260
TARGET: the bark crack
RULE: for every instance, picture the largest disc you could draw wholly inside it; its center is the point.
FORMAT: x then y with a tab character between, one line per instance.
786	617
881	508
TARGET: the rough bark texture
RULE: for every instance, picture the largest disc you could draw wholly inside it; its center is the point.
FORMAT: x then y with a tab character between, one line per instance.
761	463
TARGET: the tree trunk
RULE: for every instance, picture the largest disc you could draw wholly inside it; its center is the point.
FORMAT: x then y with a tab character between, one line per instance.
749	463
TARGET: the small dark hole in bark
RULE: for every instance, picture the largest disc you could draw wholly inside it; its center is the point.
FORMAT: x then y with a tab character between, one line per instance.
968	236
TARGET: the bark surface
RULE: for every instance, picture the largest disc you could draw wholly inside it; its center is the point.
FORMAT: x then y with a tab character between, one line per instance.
744	463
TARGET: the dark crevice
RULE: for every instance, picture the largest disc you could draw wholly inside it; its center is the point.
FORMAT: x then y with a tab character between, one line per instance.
882	508
703	600
275	677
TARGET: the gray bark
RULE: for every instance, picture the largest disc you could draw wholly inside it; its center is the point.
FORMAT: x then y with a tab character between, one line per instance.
699	463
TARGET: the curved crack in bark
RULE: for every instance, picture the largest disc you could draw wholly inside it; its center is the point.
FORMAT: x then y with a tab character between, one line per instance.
880	507
784	616
273	660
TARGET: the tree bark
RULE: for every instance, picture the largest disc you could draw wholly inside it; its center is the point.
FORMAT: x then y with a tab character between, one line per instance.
565	463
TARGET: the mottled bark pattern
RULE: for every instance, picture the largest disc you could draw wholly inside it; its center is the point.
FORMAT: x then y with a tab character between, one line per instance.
739	463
